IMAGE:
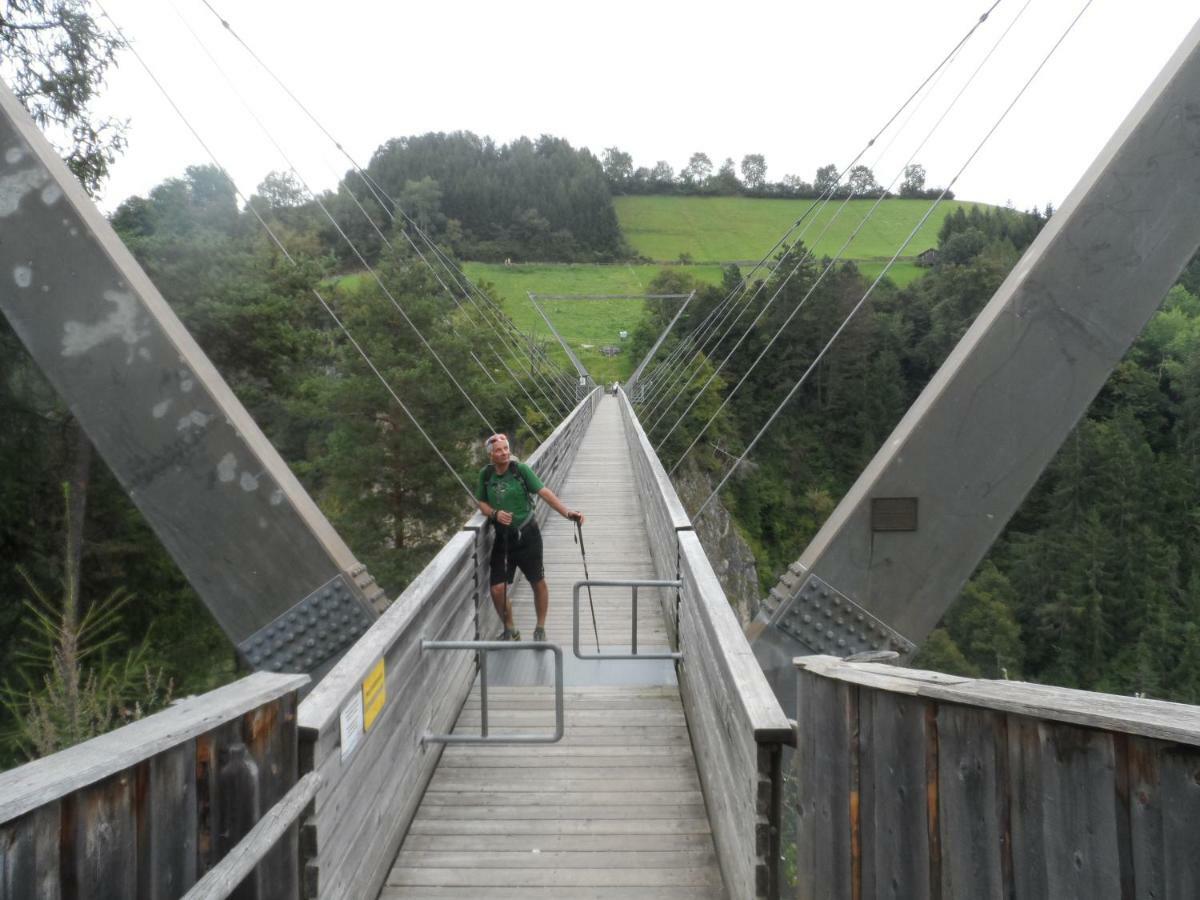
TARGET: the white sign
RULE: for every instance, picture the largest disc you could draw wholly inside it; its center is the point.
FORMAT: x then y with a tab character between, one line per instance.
352	724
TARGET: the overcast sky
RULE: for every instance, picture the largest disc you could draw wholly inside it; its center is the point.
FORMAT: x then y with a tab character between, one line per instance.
804	84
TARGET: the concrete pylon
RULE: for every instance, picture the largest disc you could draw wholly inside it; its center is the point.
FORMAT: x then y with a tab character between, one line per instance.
275	574
901	544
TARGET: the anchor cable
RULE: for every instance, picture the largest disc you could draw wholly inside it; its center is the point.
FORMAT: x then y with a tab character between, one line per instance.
912	234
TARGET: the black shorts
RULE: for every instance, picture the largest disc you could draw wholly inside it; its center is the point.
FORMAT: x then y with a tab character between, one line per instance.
523	552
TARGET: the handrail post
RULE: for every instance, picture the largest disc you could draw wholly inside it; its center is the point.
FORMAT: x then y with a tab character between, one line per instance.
482	647
633	583
633	639
483	700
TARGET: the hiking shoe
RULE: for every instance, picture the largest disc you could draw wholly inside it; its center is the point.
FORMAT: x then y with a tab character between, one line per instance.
507	635
539	633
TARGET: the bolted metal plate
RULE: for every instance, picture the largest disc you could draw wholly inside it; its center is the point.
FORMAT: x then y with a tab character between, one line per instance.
825	619
321	625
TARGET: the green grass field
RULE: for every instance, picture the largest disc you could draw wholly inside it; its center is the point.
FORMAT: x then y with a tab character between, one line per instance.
726	229
587	325
709	230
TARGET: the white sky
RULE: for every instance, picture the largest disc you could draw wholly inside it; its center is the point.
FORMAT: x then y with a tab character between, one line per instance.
805	84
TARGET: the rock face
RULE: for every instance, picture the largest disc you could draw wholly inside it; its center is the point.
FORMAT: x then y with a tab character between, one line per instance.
730	555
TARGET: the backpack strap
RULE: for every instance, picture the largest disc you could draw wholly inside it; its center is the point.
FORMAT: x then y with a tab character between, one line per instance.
492	475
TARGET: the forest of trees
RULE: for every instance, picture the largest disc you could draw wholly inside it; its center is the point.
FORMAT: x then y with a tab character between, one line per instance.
1096	582
531	199
700	178
254	314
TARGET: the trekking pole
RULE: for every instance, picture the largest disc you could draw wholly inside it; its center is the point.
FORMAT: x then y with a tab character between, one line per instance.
583	553
504	622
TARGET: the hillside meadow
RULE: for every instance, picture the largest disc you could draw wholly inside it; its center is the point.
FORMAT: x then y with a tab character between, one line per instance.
587	325
708	232
741	229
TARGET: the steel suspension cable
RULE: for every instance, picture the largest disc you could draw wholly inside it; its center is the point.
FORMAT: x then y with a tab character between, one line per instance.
446	266
744	280
883	194
453	328
241	98
758	318
321	127
684	362
286	254
825	198
912	234
269	135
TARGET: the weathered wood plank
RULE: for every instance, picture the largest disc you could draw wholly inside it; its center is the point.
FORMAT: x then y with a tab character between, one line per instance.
167	823
1064	816
894	823
257	846
42	781
542	858
632	825
1158	719
1180	795
270	735
99	841
699	877
754	693
29	856
589	842
973	803
550	800
826	830
501	780
556	892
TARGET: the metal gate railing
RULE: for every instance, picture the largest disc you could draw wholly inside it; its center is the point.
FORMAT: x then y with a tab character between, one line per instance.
483	648
627	582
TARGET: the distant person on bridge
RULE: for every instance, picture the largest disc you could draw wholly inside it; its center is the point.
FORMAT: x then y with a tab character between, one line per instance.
505	494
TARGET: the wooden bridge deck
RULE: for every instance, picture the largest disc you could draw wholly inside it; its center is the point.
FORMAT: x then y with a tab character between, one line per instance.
615	808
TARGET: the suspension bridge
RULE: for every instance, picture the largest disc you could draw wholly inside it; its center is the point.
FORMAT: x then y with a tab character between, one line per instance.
396	750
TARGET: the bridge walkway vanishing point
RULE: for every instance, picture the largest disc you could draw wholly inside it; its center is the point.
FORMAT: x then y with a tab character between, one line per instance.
615	809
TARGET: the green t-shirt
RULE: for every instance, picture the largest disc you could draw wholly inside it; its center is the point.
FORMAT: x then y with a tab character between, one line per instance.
506	491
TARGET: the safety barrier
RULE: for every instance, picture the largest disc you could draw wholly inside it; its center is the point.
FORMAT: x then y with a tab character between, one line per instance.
633	637
920	784
483	648
362	725
146	810
738	728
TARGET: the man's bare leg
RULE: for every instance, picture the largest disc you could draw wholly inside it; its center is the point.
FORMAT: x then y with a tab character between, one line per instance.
541	602
503	604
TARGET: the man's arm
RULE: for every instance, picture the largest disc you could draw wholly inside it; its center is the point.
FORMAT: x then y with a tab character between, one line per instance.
558	506
496	515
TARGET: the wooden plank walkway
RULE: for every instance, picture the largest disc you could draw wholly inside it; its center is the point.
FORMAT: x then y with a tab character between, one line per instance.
614	810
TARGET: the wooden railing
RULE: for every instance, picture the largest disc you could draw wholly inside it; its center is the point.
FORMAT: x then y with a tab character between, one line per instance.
146	810
363	724
918	784
737	727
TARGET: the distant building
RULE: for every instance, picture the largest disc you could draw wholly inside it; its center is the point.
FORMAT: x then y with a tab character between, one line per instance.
927	258
611	350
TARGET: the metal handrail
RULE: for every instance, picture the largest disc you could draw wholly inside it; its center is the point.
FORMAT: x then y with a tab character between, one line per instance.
623	582
483	647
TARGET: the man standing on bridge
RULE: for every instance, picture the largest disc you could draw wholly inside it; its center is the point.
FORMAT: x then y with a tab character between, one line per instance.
505	495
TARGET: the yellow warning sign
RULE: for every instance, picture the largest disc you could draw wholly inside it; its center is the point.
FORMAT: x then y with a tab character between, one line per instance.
374	693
